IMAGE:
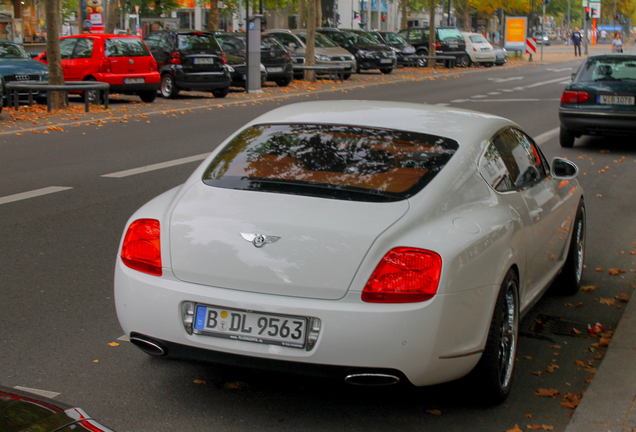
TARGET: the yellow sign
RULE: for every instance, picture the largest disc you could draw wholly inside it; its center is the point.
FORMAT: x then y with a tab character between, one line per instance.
516	32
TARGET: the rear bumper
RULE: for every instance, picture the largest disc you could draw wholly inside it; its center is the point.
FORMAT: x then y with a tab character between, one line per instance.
596	122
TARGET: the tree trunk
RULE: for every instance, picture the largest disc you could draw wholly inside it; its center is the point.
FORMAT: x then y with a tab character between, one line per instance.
403	23
113	16
213	16
431	37
318	13
302	15
310	60
53	54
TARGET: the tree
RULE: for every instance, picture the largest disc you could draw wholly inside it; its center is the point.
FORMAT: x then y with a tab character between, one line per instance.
113	15
310	59
431	34
213	16
52	15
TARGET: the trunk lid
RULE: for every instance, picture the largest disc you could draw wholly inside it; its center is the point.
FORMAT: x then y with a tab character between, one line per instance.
320	246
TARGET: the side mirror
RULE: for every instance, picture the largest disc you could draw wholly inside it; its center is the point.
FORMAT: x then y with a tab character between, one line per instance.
292	45
33	54
564	169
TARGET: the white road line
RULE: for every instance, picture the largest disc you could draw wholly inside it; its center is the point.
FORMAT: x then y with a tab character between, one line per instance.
546	136
514	100
48	394
158	166
32	194
545	82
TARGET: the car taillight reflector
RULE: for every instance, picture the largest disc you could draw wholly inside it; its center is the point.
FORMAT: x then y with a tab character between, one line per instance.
104	66
405	275
141	249
571	97
438	45
176	58
224	60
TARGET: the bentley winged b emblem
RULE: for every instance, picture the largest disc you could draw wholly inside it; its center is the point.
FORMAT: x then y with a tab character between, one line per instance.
259	240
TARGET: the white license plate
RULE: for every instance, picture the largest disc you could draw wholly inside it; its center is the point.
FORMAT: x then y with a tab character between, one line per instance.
452	45
249	326
274	69
386	61
203	60
615	100
134	80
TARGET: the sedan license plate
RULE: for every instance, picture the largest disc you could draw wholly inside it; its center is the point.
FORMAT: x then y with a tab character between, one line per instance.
203	60
274	69
134	80
615	100
249	326
386	61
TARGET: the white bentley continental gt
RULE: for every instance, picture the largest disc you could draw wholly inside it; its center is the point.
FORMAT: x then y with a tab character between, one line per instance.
372	241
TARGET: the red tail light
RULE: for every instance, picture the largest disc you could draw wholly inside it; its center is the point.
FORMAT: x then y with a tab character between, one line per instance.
141	249
474	49
573	97
405	275
224	60
104	66
176	58
438	45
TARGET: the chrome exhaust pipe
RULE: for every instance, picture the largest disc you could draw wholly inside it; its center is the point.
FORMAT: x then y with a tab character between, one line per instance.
371	379
148	346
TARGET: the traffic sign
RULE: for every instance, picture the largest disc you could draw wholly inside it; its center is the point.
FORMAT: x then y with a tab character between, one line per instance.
531	46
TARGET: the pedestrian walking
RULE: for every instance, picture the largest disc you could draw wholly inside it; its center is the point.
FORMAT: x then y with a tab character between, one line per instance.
603	35
617	43
577	37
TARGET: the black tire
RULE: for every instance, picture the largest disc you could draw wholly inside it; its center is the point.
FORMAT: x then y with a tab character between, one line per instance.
347	76
464	61
569	280
566	138
168	88
488	65
283	82
220	92
386	71
148	95
93	96
492	377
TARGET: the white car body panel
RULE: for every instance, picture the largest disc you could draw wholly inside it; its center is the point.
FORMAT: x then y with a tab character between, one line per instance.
479	233
479	52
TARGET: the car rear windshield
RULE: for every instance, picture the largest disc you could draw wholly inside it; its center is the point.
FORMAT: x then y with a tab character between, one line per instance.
125	47
330	161
608	68
449	33
198	42
321	41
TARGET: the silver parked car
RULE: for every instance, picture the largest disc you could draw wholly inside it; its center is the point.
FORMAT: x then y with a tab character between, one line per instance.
326	52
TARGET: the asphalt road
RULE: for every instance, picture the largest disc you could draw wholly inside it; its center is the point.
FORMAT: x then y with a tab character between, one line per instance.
57	254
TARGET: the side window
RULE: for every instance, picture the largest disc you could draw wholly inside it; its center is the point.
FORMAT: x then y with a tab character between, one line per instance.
494	171
152	41
83	48
536	155
66	47
517	153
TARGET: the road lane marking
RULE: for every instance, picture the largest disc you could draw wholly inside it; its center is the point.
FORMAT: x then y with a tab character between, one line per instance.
48	394
500	80
546	136
32	194
154	167
556	80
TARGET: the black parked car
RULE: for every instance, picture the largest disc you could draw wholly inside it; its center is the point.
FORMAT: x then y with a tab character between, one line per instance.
368	52
600	100
274	57
403	49
448	42
189	60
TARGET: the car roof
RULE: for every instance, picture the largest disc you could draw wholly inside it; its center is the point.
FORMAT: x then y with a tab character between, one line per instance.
458	124
101	36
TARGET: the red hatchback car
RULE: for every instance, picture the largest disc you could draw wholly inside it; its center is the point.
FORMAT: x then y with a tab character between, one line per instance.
122	61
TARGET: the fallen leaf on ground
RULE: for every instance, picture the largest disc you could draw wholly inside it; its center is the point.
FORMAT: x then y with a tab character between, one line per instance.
607	301
544	427
113	344
547	392
588	288
623	298
615	272
515	429
434	412
198	381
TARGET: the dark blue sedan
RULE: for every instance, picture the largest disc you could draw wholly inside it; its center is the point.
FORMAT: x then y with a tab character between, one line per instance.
17	66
